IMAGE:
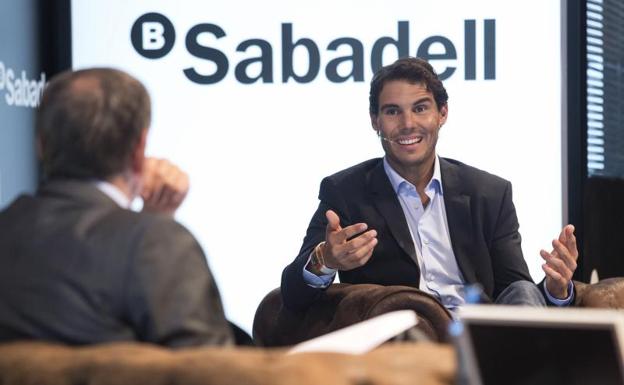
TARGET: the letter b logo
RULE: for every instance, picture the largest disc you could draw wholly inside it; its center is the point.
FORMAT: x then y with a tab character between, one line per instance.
152	35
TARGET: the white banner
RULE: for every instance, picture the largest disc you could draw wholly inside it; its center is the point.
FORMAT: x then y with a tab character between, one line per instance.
260	100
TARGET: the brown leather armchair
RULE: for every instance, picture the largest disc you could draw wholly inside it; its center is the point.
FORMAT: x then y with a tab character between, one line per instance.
344	304
608	293
396	364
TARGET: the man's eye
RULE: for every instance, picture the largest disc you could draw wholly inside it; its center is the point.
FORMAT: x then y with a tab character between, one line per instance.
391	111
420	108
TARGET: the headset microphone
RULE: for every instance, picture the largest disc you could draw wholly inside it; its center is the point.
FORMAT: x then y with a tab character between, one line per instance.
382	137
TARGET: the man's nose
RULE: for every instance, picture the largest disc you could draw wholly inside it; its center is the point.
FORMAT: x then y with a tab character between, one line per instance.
410	119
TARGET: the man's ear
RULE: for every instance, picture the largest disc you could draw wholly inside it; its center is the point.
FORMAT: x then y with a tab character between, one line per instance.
138	154
373	119
443	114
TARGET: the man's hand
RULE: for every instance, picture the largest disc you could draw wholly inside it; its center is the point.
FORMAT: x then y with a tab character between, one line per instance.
164	186
560	263
342	253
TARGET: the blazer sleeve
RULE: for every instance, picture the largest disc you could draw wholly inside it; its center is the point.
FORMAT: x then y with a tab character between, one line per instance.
296	294
507	260
171	296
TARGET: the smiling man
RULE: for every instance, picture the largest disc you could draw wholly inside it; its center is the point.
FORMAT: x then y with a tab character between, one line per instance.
414	218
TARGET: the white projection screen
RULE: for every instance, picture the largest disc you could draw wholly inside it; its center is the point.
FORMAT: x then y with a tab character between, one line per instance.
258	100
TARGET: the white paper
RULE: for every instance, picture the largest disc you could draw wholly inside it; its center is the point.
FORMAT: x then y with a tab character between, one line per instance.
361	337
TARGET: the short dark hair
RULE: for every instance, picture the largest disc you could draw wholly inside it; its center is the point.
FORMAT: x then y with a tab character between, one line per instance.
412	69
89	123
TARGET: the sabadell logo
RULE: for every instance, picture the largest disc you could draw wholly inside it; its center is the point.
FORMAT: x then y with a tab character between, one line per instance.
153	36
20	91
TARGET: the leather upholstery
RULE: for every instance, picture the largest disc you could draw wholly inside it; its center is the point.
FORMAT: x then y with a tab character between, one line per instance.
343	305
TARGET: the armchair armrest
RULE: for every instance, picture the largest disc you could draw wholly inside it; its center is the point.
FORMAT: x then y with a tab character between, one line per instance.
342	305
608	293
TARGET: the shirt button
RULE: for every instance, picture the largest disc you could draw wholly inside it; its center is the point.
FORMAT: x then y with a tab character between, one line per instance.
426	241
430	277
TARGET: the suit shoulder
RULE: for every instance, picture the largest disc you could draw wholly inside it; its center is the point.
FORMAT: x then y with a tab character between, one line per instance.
157	235
472	175
354	173
148	223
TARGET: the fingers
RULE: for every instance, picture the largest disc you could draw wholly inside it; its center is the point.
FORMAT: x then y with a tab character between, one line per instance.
556	284
353	245
559	269
164	186
567	238
352	254
360	255
565	250
336	234
344	249
559	266
570	240
149	180
333	221
554	275
561	261
564	254
174	188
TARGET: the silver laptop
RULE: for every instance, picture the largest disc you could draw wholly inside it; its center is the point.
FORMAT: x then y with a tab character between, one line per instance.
519	346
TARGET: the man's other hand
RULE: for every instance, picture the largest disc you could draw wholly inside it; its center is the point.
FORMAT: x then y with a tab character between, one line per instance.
560	263
164	186
343	250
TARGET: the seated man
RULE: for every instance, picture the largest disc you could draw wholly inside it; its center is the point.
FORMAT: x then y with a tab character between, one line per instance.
76	265
414	218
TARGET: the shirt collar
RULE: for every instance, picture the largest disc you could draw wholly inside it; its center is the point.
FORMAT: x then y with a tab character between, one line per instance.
114	193
397	180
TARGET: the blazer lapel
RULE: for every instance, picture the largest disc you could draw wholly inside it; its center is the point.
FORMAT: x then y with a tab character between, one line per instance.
459	218
388	206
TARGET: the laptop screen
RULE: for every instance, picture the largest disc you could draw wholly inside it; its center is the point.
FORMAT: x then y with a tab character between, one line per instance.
519	346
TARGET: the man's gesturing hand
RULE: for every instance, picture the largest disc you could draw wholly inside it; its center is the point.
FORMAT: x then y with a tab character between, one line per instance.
560	263
341	251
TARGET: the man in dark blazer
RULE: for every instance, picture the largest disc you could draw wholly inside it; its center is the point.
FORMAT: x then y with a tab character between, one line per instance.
413	218
76	264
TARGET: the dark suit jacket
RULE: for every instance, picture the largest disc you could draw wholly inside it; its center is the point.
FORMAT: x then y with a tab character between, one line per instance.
481	217
76	268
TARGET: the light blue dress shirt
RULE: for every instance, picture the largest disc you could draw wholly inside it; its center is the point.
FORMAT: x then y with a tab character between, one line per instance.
439	272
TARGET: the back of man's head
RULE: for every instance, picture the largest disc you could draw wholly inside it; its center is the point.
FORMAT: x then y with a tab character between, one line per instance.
90	122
